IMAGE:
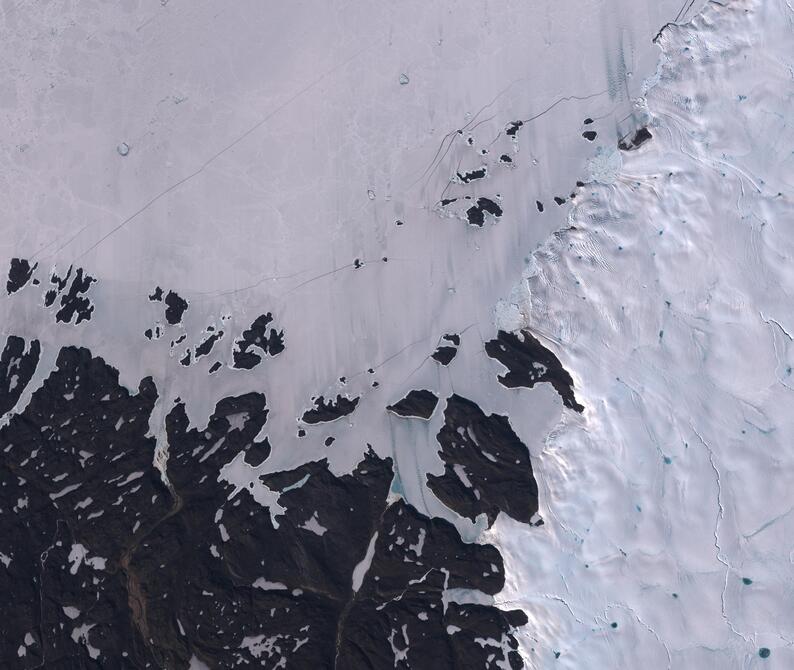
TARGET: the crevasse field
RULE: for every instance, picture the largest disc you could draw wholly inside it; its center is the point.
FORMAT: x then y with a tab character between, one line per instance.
411	335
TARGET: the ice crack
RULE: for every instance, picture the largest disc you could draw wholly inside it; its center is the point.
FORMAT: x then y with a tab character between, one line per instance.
646	627
721	556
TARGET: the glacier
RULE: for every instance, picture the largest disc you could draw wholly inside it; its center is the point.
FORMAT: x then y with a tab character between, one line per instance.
467	326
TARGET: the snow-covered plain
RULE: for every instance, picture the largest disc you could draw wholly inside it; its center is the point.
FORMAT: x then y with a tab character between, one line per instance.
272	145
251	156
669	540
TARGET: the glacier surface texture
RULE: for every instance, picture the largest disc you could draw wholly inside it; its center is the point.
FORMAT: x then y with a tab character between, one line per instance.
420	335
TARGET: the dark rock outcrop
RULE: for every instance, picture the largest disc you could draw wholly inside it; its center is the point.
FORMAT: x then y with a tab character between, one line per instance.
486	466
418	404
175	307
528	363
329	410
110	564
639	138
17	365
19	274
262	336
444	353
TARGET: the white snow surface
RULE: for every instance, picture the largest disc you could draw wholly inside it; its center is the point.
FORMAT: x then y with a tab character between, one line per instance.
269	145
360	571
272	144
671	302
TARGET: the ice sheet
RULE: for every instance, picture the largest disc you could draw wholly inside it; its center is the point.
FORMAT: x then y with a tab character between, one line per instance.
668	535
269	147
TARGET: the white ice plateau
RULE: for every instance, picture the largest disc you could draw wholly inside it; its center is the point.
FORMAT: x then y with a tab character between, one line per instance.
291	158
669	503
